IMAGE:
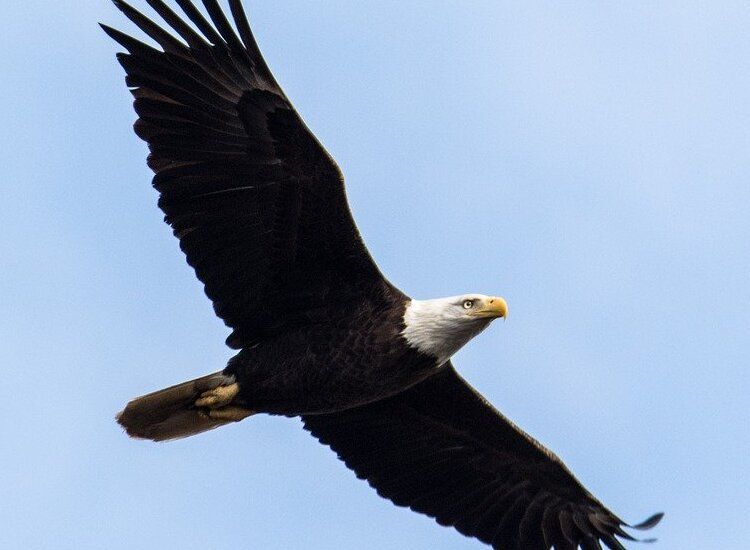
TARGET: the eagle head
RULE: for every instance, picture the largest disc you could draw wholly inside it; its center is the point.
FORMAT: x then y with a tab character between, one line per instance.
442	326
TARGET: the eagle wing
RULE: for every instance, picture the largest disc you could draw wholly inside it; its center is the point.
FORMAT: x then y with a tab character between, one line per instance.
441	449
257	203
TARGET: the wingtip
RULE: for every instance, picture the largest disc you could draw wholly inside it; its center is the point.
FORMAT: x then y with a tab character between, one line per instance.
649	522
121	5
111	31
644	525
126	8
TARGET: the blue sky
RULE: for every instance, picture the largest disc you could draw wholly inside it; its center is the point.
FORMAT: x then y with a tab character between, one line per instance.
586	160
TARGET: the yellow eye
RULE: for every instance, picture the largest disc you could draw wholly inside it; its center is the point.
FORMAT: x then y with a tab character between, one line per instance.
468	304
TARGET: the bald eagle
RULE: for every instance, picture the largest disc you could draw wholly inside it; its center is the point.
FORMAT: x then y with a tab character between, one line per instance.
260	211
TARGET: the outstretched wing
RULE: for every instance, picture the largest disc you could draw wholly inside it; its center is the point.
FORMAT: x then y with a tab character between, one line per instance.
441	449
257	203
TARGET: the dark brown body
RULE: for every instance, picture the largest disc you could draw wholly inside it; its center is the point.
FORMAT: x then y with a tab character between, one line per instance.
355	357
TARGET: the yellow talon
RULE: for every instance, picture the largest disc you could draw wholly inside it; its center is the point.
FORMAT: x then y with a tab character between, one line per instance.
231	413
218	397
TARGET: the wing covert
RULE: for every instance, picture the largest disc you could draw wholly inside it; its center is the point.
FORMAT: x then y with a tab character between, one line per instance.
257	203
441	449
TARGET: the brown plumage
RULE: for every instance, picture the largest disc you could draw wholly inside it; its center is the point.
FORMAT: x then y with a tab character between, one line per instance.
260	210
171	413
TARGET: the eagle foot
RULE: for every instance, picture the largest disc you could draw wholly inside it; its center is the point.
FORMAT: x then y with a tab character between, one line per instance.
218	397
230	413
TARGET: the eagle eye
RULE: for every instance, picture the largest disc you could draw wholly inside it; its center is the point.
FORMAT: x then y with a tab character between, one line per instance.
468	304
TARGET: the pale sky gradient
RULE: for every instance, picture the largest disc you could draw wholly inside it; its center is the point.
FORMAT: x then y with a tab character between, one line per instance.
586	160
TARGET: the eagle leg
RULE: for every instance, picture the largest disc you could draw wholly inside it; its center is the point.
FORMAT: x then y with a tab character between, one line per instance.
230	413
218	397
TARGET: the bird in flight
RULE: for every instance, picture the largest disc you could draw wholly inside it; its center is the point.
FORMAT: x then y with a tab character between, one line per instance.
260	210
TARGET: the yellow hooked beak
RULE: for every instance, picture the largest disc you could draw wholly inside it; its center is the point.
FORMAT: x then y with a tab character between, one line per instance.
493	307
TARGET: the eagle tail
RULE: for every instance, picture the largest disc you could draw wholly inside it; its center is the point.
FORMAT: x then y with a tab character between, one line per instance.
179	411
